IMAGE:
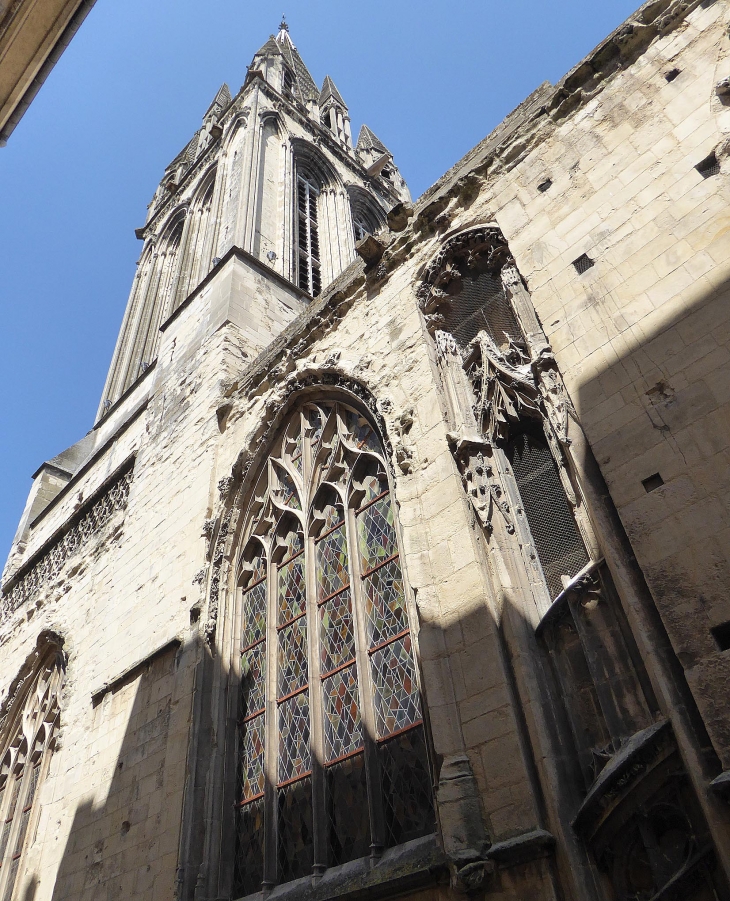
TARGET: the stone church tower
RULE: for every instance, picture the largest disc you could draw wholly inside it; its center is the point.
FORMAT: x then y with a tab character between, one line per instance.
396	561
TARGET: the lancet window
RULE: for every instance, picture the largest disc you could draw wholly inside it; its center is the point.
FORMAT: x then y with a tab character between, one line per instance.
333	757
308	268
27	742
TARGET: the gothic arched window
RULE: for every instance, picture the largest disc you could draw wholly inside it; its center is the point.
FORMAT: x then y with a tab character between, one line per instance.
27	741
333	759
308	267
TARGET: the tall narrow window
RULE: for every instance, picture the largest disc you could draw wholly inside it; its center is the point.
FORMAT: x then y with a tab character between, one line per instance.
348	772
308	266
558	542
24	761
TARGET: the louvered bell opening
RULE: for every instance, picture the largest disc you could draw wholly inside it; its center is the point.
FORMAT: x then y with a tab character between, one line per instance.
303	272
482	305
554	530
314	239
316	281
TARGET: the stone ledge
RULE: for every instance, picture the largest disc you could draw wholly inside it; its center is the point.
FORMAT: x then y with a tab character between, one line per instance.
415	865
522	848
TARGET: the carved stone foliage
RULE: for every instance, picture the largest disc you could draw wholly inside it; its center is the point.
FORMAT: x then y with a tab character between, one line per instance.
483	247
504	387
45	566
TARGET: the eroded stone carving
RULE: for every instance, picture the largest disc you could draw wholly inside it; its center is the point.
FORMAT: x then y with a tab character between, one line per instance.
484	246
504	387
50	561
483	488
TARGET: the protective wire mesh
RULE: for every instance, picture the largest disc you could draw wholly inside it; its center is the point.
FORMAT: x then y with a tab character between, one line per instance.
482	305
554	530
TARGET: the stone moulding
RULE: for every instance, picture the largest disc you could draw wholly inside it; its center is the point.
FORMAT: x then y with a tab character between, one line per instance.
51	557
640	754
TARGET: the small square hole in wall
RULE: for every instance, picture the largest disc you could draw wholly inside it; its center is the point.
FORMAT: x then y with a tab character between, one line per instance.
709	166
721	634
652	483
545	185
583	263
672	74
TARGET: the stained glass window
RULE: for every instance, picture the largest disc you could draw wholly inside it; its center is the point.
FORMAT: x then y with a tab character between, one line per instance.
24	759
340	652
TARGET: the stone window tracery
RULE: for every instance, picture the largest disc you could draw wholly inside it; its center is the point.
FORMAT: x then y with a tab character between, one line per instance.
333	759
28	736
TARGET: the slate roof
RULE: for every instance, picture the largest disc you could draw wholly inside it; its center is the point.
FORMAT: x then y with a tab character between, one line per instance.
329	89
368	141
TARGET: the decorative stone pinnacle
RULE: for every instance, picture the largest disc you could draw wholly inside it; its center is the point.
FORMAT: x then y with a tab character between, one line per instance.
284	25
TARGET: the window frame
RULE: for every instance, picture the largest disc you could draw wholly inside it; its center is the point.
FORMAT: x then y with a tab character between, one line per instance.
314	532
24	766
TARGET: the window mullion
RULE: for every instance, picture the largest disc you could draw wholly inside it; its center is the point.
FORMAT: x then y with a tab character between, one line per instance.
316	735
271	729
365	688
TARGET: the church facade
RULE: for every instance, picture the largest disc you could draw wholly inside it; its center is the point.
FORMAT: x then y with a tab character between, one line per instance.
396	561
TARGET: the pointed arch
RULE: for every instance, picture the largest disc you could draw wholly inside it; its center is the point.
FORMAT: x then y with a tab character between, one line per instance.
332	749
30	720
200	237
368	216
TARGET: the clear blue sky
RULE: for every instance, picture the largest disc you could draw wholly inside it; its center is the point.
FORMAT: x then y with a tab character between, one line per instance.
430	78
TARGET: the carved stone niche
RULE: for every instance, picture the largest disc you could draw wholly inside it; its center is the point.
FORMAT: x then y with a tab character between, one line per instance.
644	827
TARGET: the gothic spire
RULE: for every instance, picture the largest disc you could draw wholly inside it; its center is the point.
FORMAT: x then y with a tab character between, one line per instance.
283	37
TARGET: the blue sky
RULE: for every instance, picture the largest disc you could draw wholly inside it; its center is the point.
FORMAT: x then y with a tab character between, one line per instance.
431	80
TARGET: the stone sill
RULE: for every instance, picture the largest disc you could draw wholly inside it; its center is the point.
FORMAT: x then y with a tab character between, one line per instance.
415	865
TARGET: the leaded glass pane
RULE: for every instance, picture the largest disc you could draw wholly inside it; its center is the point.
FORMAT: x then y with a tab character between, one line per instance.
254	614
361	433
332	572
252	758
253	679
294	754
249	871
342	732
316	424
293	673
397	703
407	794
291	590
384	603
376	534
296	834
337	632
347	813
287	493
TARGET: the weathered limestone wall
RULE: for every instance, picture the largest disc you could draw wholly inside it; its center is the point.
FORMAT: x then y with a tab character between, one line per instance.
641	341
642	337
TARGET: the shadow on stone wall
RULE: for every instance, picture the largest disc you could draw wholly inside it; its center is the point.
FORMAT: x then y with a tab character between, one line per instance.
128	845
663	409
